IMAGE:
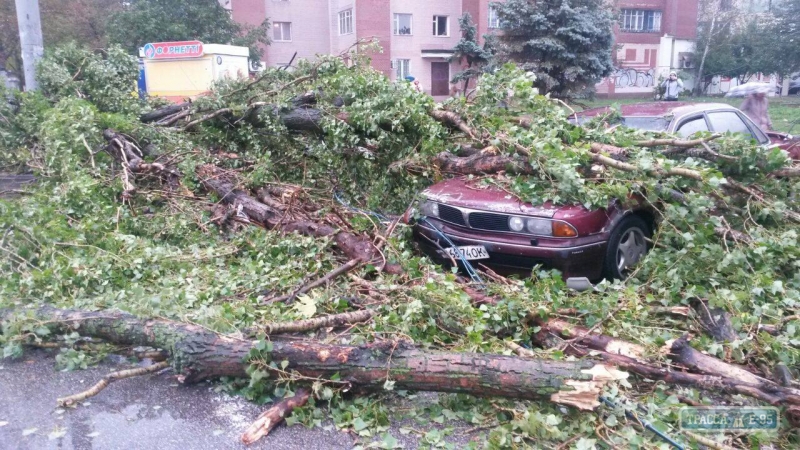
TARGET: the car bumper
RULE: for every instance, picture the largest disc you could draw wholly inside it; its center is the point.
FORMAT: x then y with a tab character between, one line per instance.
579	257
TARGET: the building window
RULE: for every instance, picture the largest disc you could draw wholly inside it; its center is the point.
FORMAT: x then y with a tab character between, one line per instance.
402	24
494	19
403	67
282	31
441	26
641	20
346	22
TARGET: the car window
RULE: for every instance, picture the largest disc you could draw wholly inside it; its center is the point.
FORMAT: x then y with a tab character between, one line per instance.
692	126
728	121
758	132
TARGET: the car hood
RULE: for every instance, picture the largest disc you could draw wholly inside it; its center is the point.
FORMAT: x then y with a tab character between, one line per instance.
471	194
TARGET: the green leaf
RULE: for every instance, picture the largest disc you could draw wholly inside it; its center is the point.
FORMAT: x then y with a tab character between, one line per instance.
359	424
305	306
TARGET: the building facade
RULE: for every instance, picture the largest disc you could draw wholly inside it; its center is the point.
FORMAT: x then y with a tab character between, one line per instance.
417	36
653	36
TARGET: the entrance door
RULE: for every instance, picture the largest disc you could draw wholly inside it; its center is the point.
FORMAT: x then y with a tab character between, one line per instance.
440	78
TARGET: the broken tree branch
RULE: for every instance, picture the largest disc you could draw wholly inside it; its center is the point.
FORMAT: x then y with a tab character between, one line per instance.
270	418
299	326
716	375
481	163
108	379
344	268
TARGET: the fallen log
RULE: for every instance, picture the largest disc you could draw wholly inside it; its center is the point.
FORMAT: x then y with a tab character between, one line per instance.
198	354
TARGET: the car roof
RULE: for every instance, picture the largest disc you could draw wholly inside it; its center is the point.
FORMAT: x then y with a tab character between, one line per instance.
656	109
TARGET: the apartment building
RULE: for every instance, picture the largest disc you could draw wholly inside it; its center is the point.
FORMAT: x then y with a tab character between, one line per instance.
417	36
653	36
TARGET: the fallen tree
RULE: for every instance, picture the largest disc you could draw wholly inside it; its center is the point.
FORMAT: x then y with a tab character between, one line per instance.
321	161
197	354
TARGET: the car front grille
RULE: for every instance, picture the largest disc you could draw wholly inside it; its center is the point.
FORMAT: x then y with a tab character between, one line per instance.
452	215
488	221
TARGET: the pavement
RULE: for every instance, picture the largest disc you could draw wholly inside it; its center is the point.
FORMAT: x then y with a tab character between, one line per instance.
148	412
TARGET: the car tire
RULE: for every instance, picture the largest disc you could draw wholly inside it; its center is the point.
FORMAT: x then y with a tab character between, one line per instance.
627	245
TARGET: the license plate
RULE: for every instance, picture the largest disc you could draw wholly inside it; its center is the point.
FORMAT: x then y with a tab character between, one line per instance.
470	252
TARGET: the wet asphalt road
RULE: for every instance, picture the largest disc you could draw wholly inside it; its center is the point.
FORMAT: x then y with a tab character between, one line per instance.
149	412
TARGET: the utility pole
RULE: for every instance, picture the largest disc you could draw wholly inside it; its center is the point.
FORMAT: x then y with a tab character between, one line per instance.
30	39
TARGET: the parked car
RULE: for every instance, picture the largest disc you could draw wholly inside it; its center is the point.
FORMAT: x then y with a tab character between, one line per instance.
685	119
794	87
510	235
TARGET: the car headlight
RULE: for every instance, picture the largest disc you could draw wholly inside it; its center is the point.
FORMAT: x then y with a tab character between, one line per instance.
430	208
516	223
539	227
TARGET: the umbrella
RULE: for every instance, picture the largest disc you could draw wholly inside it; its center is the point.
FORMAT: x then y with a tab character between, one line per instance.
743	90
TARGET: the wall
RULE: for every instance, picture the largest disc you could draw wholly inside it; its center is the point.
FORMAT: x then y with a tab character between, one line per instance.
678	18
341	43
422	38
310	29
373	19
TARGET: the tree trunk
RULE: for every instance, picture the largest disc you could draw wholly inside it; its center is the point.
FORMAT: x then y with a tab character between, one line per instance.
161	113
199	354
698	90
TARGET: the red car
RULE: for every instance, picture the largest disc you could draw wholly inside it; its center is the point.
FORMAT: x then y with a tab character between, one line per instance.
491	227
685	119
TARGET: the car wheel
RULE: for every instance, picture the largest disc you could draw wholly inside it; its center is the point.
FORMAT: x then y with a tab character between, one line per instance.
627	245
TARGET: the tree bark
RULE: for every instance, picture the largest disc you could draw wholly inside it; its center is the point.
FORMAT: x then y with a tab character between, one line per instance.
200	354
161	113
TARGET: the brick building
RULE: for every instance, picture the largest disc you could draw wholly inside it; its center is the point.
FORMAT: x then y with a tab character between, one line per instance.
417	36
653	37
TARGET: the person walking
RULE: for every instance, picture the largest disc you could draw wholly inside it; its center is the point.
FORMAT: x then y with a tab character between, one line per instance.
672	87
756	107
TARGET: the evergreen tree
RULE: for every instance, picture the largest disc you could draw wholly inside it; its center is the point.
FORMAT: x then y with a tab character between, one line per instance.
469	53
567	43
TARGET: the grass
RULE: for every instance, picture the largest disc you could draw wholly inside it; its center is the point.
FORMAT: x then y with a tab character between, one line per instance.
784	111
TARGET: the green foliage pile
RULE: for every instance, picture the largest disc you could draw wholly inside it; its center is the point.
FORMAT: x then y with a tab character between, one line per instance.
73	243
